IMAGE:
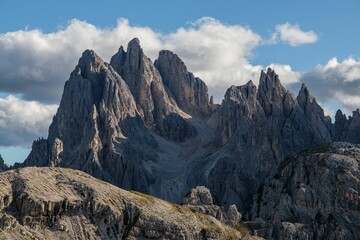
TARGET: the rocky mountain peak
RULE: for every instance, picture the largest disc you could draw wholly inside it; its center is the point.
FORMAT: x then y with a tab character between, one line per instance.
261	127
271	91
144	81
189	92
315	114
347	129
305	96
245	93
269	80
134	44
3	165
356	113
173	59
89	63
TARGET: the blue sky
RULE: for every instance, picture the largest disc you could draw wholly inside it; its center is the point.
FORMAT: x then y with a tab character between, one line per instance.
335	21
316	42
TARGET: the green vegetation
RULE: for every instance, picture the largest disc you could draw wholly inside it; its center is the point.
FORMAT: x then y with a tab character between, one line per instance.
144	198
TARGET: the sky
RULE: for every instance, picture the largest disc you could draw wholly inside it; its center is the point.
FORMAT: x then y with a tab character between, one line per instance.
223	42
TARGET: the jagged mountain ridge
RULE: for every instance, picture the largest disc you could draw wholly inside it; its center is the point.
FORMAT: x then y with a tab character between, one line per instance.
153	128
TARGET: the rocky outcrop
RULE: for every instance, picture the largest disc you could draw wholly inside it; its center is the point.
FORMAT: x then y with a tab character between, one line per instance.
258	127
56	203
3	166
347	129
39	155
315	114
190	92
200	200
198	196
313	194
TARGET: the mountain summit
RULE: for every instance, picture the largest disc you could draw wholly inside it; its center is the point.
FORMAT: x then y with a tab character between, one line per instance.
151	127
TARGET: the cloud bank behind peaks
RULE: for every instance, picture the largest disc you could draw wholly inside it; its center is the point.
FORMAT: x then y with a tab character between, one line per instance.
21	121
293	35
36	64
336	82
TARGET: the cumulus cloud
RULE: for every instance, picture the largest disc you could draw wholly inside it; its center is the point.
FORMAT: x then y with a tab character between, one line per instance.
336	84
34	65
293	35
21	121
286	74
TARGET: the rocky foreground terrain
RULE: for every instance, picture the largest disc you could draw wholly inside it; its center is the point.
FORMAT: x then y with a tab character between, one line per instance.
314	194
57	203
152	127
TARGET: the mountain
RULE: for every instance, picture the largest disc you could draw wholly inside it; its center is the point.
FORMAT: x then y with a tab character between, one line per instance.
3	166
258	127
152	127
347	129
313	194
69	204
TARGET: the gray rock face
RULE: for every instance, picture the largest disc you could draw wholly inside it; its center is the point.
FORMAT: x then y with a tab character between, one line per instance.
92	120
200	200
3	166
56	203
312	195
107	128
159	111
198	196
258	128
315	114
39	155
190	92
347	129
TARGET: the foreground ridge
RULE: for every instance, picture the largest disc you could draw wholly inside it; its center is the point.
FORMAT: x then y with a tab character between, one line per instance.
57	203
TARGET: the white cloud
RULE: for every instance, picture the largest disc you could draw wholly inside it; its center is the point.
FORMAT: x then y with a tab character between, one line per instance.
216	52
22	121
336	84
293	35
349	69
35	65
286	74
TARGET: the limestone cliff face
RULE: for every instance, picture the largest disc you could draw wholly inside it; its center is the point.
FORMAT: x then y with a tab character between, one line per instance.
57	203
312	195
3	166
190	92
347	129
159	111
315	114
96	114
258	128
117	122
